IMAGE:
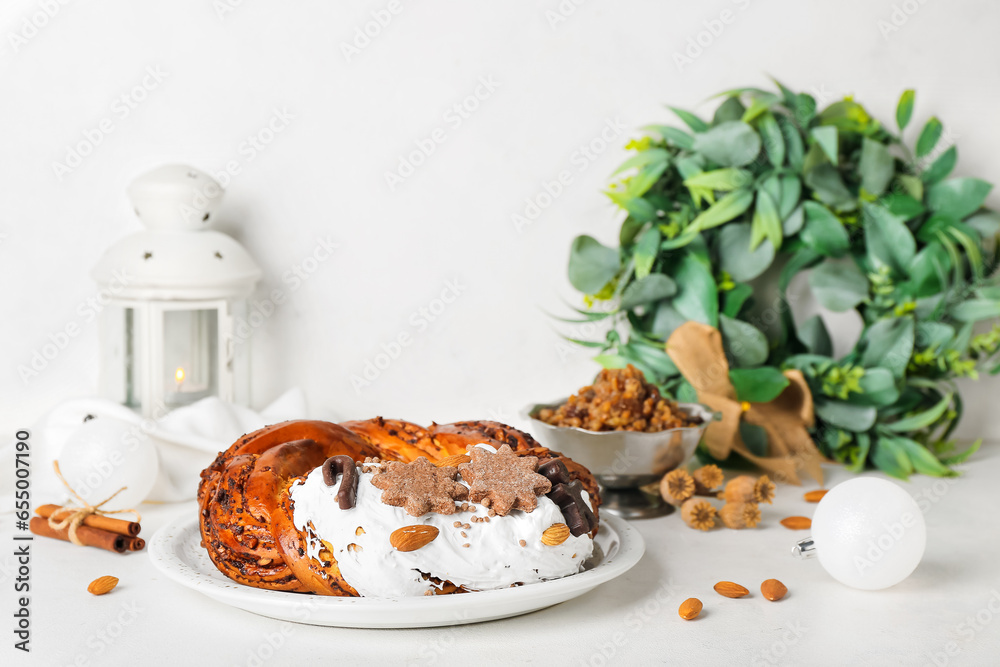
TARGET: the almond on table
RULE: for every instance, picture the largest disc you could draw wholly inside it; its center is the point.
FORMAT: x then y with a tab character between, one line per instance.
773	590
102	585
690	609
730	589
814	496
797	522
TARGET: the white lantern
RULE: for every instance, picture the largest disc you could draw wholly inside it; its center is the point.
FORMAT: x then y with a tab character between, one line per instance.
173	294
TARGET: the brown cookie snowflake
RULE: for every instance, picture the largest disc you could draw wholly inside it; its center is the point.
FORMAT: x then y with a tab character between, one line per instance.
503	481
419	487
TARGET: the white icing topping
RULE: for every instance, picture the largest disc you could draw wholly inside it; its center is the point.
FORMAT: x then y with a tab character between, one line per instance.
493	558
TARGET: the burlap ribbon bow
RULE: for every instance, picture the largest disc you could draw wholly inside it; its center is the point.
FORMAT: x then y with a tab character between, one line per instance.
696	349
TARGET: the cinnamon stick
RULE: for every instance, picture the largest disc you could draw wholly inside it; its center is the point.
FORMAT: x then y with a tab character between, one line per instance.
135	543
120	526
91	537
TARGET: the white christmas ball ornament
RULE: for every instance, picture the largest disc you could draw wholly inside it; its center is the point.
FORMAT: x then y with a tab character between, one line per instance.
105	454
868	533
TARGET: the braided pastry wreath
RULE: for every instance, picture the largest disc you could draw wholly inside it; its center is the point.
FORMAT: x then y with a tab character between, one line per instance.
245	515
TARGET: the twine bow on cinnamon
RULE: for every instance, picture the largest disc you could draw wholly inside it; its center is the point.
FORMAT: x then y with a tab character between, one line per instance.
696	349
72	517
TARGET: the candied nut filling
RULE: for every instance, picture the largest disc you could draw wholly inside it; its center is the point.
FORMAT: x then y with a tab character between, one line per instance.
619	400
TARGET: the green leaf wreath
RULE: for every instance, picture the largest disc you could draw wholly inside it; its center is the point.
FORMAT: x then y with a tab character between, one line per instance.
721	216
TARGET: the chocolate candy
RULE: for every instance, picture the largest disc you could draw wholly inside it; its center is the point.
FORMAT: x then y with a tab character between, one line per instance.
555	470
344	465
578	516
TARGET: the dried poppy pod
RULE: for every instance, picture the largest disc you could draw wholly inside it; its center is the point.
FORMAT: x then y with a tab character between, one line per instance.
677	486
746	489
763	490
707	479
698	513
739	490
740	515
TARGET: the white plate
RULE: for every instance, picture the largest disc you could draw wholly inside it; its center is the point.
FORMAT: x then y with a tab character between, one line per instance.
175	550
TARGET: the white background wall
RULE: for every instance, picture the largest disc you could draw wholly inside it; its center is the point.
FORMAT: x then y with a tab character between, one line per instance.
560	78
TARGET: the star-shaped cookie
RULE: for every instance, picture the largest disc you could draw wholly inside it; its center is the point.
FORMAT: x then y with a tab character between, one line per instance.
419	487
503	481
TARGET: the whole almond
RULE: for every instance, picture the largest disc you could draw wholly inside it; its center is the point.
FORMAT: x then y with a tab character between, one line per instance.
453	460
797	522
730	590
815	496
690	609
102	585
411	538
773	590
555	534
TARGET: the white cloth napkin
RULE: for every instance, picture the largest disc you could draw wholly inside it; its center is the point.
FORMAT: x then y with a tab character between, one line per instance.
187	439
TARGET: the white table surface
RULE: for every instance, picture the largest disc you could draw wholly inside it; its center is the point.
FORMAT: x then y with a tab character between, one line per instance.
632	620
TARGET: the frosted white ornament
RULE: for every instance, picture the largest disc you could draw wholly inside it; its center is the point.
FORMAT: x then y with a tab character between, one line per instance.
105	454
868	533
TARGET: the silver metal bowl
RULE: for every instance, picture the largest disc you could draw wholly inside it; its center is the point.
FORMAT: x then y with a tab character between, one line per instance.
623	461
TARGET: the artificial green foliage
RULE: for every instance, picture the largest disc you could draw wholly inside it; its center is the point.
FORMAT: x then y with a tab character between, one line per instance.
721	215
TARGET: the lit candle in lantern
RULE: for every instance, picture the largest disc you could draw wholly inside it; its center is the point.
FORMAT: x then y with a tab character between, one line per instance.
189	386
